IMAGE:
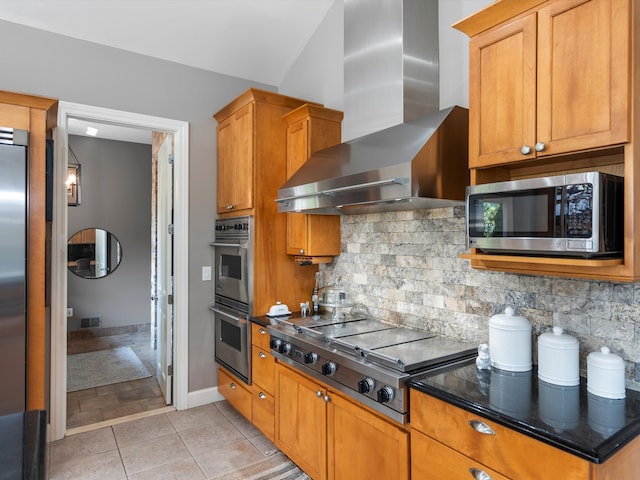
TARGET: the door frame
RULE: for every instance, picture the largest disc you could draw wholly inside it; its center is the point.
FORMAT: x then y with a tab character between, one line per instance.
59	235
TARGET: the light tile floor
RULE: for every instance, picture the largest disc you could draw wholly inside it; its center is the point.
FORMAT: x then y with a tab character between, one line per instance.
199	443
93	405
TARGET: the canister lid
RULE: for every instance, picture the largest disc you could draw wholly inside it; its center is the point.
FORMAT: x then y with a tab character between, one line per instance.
558	339
509	321
605	359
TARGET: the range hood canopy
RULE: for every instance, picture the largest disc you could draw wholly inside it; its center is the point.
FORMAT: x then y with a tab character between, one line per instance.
391	79
418	164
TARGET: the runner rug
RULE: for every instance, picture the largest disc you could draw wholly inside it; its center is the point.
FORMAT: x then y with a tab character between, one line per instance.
103	367
276	466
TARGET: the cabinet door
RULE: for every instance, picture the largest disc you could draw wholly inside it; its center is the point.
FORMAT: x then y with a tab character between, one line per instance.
263	411
362	445
502	93
297	154
235	392
262	368
235	161
583	75
301	418
431	459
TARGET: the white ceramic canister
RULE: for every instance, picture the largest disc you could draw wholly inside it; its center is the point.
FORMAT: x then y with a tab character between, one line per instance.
605	374
558	358
510	341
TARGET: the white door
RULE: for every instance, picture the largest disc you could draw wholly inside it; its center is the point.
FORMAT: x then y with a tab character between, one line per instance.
164	269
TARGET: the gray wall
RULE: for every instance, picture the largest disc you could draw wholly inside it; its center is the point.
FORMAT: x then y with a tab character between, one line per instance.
51	65
116	196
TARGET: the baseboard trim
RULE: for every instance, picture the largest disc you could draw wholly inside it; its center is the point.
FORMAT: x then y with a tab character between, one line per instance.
202	397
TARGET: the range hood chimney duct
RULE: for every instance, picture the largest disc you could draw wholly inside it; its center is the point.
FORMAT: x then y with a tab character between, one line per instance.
406	153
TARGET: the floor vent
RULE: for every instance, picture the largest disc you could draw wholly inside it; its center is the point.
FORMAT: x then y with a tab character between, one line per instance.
90	322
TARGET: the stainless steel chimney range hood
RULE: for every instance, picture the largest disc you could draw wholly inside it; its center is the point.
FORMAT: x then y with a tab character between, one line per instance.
391	52
418	164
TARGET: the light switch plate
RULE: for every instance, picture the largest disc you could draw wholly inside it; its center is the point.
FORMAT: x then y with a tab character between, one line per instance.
206	273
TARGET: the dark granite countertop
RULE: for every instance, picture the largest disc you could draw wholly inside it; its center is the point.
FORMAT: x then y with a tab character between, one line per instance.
262	320
23	440
568	418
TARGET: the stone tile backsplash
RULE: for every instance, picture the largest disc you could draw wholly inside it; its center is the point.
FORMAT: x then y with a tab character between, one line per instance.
405	267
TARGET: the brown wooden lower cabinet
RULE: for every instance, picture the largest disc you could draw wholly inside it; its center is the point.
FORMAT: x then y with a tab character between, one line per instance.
444	445
236	392
330	437
433	460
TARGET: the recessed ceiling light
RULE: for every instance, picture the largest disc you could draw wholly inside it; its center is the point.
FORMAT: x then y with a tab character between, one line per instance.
92	131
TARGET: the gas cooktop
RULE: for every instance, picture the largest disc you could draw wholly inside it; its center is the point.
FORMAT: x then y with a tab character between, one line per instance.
365	358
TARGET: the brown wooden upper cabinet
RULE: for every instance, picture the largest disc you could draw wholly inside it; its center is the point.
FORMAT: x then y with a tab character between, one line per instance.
552	90
552	80
311	128
235	161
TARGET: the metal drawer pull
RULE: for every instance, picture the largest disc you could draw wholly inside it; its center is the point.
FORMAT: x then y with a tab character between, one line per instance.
525	150
262	331
262	355
262	395
319	393
232	386
479	474
481	427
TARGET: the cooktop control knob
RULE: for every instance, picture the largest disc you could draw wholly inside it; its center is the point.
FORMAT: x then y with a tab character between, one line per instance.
385	394
329	368
275	343
366	385
310	357
285	348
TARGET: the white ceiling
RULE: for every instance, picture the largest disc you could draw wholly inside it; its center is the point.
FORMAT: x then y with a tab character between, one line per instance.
253	39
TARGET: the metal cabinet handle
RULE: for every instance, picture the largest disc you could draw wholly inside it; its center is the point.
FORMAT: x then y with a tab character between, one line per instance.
525	150
326	398
262	331
229	207
479	474
539	146
232	386
262	355
262	395
301	251
481	427
319	393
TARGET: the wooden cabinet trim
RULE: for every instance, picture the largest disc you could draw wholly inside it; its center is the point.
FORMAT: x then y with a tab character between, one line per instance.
498	12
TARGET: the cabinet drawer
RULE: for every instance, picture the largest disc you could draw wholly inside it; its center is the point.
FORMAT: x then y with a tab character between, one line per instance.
263	411
263	368
260	336
431	459
236	392
507	451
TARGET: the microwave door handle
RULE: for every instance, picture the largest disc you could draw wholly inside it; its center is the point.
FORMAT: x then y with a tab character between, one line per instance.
238	320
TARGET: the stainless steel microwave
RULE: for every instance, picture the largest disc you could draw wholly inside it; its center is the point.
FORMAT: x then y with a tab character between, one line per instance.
579	214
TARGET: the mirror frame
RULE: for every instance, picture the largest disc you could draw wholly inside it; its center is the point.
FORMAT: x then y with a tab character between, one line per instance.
72	264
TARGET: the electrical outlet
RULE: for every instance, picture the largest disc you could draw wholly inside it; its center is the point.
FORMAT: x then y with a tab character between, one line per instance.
70	312
206	273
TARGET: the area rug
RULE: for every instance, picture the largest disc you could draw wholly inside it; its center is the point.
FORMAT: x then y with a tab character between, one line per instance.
275	467
103	367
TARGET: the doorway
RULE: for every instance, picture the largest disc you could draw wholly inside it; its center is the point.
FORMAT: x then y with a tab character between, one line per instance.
179	131
112	217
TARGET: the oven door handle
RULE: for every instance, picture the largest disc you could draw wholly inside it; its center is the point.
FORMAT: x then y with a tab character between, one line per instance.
238	320
220	244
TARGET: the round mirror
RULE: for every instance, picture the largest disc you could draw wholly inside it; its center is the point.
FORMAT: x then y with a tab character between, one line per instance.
93	253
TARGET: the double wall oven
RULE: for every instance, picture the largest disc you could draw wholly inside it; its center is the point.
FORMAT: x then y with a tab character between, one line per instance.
233	250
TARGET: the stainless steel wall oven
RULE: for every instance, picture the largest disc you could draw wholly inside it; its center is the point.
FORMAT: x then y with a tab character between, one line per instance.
233	251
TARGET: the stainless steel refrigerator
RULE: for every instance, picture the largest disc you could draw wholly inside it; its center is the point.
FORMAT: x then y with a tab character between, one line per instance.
13	262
